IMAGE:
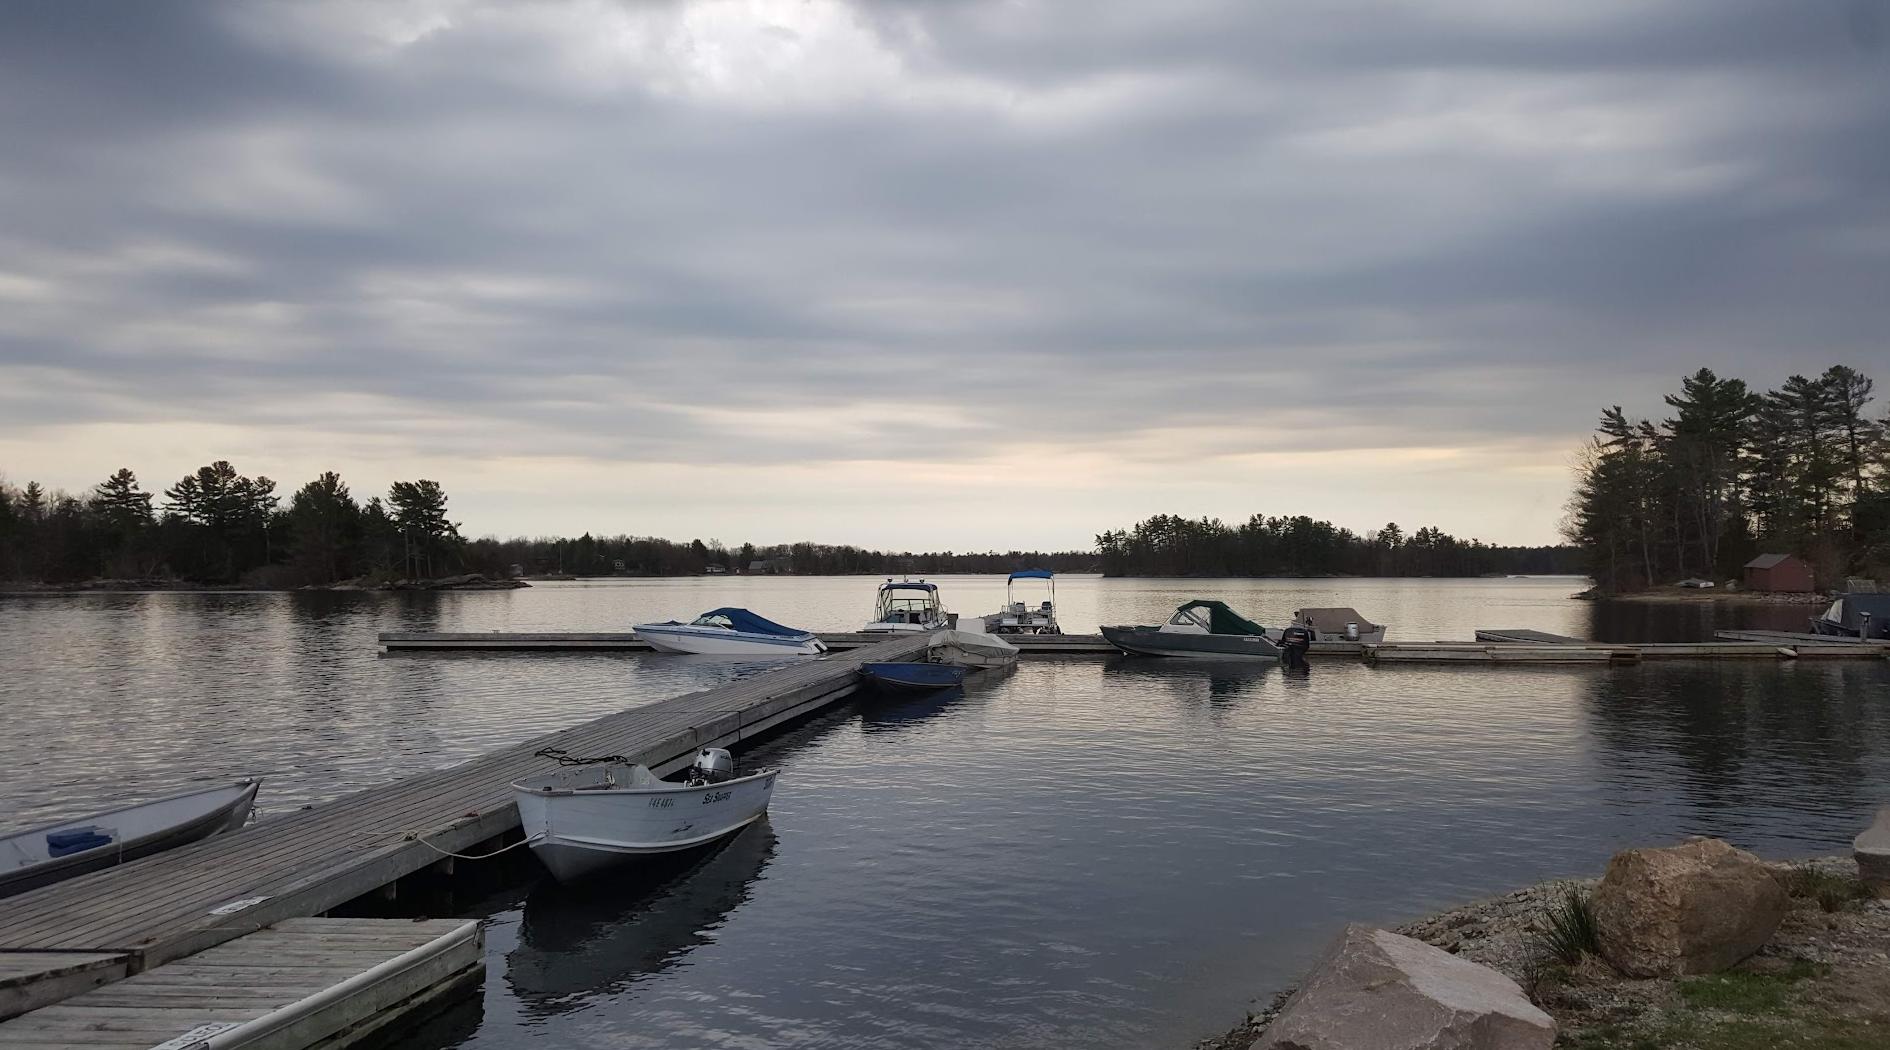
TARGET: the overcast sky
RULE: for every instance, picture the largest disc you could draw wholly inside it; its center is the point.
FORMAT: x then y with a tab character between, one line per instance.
923	275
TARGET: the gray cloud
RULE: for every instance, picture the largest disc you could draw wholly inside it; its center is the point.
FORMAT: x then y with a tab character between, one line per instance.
622	232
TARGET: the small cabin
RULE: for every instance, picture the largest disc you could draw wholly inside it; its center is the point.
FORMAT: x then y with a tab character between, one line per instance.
1779	572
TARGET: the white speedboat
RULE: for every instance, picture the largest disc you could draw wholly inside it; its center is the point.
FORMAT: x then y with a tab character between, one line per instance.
45	855
965	649
730	632
1020	617
907	605
593	816
1339	624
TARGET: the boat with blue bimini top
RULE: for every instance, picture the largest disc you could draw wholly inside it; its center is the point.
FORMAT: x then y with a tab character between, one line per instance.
599	813
1201	629
45	855
907	605
1021	617
913	677
730	632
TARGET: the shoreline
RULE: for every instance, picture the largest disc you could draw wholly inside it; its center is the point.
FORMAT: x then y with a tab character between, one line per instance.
463	582
1822	969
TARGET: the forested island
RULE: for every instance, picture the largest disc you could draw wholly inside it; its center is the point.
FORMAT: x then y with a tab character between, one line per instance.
1166	545
1734	473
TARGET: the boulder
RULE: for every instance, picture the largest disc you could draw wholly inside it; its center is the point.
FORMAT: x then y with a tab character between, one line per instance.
1698	907
1375	990
1872	850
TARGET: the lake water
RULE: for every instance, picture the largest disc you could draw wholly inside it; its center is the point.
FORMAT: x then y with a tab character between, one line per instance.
1099	852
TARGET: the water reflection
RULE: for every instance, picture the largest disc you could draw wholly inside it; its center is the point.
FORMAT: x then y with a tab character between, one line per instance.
587	941
1215	681
890	713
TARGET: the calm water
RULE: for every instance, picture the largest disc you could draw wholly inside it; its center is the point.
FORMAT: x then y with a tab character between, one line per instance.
1114	853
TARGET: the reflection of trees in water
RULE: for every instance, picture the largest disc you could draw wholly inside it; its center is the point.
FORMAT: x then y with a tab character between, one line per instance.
1690	621
588	939
1729	738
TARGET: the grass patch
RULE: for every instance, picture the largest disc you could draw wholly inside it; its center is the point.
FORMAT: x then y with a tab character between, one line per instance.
1696	1032
1832	891
1745	993
1567	931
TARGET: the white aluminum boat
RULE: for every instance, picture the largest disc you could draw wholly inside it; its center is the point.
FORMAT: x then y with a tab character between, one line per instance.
594	816
45	855
730	632
907	606
965	649
1019	617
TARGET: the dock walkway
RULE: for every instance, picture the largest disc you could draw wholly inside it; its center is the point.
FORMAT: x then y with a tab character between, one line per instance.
627	641
184	900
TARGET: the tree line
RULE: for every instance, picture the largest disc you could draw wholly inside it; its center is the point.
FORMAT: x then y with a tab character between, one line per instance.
1733	473
589	555
217	526
1169	545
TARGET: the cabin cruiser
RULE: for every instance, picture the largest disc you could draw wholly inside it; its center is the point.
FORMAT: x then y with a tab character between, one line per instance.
1338	624
599	814
730	632
1019	617
1202	629
907	605
1855	616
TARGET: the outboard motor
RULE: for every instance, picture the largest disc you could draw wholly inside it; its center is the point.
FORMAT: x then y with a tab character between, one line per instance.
713	765
1295	642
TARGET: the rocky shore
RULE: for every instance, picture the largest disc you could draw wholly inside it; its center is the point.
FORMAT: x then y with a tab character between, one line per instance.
1820	979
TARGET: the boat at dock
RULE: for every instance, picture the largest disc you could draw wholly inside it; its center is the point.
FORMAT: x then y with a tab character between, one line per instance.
976	651
598	814
1201	629
1020	617
913	677
730	632
1855	616
907	605
1337	624
44	855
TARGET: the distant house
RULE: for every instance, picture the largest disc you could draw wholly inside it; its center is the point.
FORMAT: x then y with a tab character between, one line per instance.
767	566
716	570
1779	572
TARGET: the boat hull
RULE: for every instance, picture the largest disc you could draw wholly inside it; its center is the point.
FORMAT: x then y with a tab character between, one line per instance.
1148	641
579	834
170	823
913	677
715	642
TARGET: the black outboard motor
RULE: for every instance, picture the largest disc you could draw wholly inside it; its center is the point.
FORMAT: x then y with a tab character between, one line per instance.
1295	643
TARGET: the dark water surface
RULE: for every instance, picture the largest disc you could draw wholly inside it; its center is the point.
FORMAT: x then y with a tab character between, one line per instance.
1082	852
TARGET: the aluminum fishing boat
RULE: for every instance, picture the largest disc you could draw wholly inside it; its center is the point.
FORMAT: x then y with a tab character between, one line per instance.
1020	617
730	632
45	855
1200	629
913	677
1338	624
595	815
907	605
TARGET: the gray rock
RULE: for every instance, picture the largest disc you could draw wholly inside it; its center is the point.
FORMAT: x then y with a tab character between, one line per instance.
1375	990
1872	850
1698	907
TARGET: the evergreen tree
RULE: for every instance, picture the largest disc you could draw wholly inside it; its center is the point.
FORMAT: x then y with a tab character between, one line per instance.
325	523
419	509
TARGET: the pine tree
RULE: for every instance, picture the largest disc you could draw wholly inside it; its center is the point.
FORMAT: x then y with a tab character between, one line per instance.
326	525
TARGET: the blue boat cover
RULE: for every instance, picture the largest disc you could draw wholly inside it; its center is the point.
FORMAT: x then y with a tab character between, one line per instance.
76	840
743	620
1032	574
908	586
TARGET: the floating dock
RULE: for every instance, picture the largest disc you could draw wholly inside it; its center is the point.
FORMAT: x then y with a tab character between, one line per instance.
300	983
59	940
628	642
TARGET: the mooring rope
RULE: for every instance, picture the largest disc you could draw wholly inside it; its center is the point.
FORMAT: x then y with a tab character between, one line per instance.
563	758
415	836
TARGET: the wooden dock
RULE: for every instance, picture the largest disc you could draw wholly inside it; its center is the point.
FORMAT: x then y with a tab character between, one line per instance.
1525	636
627	641
300	983
185	900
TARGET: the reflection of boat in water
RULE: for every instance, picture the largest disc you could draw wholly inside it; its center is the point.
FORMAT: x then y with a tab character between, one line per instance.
1217	681
577	943
1200	629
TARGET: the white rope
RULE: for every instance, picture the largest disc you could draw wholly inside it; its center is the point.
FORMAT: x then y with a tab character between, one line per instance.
415	836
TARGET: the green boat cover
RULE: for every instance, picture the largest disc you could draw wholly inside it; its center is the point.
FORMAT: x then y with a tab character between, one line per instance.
1221	619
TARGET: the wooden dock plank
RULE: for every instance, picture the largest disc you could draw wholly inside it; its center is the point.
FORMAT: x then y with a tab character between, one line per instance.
303	863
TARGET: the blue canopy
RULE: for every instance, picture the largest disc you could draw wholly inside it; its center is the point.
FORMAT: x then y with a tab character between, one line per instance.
907	585
743	620
1031	574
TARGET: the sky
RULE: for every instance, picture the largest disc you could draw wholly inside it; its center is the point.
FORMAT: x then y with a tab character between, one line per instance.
923	275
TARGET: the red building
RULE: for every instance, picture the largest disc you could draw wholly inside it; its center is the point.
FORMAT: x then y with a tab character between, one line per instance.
1779	572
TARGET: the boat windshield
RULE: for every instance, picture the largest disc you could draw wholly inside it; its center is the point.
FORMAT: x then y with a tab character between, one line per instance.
712	620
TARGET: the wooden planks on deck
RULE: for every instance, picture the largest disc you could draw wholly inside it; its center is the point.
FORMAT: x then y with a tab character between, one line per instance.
300	983
184	900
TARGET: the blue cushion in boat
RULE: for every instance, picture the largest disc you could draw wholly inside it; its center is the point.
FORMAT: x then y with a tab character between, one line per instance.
76	840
